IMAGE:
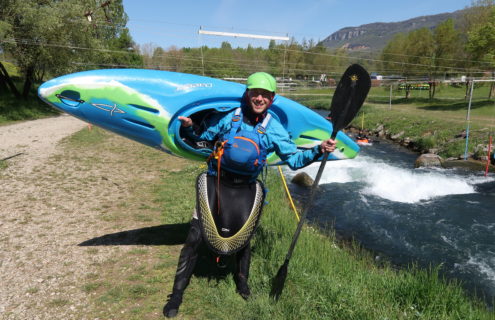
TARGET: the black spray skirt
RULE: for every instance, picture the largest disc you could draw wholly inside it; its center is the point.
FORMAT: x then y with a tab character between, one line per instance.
228	213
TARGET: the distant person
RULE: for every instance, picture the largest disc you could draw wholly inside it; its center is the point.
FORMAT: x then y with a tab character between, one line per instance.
229	197
362	135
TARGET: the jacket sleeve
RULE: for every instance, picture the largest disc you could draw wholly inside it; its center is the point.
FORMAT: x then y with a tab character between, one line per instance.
287	150
216	127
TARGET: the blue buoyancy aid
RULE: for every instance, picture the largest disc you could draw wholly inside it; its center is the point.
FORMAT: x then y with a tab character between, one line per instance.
240	151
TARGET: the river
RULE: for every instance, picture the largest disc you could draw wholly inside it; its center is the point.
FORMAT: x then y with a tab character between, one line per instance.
427	216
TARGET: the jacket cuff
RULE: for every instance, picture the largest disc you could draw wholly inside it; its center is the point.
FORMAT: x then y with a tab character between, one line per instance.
317	151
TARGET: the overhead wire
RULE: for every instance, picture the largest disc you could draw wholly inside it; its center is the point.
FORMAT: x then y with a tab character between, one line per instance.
108	24
105	24
255	62
174	34
292	66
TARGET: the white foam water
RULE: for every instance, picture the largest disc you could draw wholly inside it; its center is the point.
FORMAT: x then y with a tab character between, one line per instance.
393	183
391	201
484	264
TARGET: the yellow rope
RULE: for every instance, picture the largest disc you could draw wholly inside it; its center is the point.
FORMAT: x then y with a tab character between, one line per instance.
288	193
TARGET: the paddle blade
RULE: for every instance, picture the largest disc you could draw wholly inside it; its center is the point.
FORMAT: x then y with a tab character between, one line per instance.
349	96
279	281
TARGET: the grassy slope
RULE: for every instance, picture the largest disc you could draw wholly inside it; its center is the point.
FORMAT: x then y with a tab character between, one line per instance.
428	124
12	109
326	279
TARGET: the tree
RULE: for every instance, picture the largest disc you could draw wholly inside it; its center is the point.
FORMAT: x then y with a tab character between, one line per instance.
477	14
226	46
174	59
147	51
274	57
446	48
124	52
193	60
447	43
294	60
481	43
319	61
58	37
158	59
394	55
420	48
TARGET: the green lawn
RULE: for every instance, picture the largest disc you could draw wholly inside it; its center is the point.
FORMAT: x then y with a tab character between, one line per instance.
427	123
327	279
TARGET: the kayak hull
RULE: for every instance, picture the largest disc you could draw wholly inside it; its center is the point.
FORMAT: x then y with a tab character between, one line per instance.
144	105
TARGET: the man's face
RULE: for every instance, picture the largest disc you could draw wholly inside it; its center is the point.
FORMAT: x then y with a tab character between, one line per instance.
259	100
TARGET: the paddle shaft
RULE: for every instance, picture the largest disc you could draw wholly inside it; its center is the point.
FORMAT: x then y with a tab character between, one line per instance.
308	206
346	102
315	184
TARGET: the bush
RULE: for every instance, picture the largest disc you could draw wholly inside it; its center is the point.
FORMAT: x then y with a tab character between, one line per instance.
426	143
12	109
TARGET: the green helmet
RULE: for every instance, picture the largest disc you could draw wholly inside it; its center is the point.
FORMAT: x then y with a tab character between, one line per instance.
261	80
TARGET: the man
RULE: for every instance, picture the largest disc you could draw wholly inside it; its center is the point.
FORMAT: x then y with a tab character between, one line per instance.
229	197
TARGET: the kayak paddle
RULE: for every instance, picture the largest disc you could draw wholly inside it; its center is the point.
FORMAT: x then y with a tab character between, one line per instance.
346	102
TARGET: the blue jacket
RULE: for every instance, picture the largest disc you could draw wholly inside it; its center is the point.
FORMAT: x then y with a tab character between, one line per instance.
276	139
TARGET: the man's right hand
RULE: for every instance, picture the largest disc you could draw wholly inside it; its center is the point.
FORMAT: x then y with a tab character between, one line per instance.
185	121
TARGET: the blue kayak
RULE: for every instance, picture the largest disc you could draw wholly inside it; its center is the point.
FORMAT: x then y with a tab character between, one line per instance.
144	105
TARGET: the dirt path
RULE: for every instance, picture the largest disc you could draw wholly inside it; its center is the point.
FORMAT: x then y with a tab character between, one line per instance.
53	199
35	140
26	253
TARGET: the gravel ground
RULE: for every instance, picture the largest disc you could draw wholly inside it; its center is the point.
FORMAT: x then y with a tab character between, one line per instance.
51	201
35	140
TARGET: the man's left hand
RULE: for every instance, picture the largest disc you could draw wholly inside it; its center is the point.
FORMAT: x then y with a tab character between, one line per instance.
328	145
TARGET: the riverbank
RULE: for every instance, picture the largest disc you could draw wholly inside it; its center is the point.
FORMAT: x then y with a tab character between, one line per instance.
429	131
115	215
470	163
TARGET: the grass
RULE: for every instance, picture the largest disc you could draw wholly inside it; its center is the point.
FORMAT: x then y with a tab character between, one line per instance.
330	281
327	279
12	70
87	138
423	124
122	285
16	109
58	303
434	126
12	109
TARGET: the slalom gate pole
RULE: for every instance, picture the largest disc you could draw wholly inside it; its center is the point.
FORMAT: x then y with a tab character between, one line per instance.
489	153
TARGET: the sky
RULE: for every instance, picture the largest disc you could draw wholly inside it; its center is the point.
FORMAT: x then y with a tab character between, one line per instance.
176	23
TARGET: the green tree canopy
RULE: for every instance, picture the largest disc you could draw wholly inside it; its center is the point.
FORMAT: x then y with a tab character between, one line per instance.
393	55
481	41
447	45
58	37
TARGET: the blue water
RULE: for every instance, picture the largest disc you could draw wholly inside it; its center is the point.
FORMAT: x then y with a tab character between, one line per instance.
425	216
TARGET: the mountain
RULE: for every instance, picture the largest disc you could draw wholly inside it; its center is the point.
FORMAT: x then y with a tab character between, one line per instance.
376	35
